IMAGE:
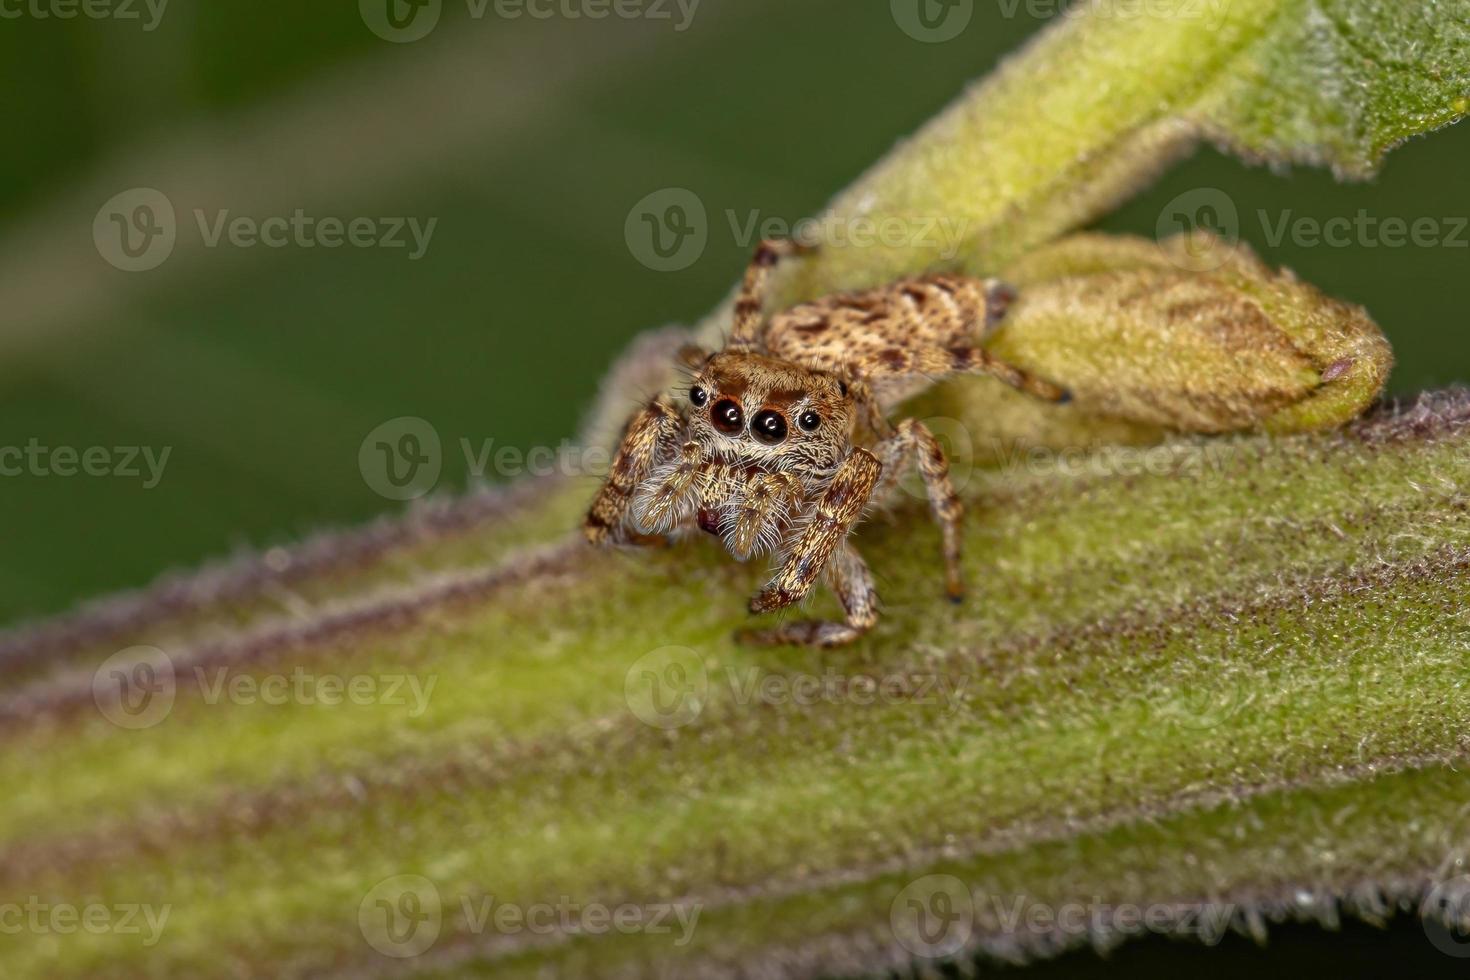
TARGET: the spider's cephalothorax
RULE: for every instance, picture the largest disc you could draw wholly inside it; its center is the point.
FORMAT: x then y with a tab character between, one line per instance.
780	441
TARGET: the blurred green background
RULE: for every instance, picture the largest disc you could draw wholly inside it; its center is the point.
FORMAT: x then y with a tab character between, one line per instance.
529	140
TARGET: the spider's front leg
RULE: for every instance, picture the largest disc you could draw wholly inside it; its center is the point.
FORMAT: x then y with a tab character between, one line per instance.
657	424
837	510
749	318
850	579
912	440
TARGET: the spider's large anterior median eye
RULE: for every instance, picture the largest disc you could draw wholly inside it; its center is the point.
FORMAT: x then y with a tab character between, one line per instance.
698	396
809	421
726	416
769	427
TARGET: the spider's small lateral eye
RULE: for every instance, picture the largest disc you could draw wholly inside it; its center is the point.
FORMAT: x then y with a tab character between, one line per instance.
809	421
769	427
726	416
698	396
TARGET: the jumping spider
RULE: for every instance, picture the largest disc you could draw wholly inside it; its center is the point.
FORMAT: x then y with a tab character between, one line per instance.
781	439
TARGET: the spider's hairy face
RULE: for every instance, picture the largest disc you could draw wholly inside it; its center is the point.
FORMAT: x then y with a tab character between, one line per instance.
750	408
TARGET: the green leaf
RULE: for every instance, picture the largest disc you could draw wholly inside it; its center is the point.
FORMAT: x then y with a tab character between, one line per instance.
1221	679
1224	672
1188	334
1107	97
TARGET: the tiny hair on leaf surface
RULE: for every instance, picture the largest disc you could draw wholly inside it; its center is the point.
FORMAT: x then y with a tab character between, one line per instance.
1212	661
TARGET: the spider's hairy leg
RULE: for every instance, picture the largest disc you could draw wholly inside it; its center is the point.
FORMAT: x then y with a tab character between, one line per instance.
657	504
759	505
652	425
977	360
849	577
837	510
912	440
751	301
967	359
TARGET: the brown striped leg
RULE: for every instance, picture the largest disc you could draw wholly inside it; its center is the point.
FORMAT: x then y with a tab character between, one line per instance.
849	577
939	361
977	360
912	440
837	510
749	305
655	423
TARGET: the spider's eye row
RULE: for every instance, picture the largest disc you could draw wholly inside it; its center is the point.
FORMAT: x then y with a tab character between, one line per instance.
726	416
809	421
769	427
698	396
